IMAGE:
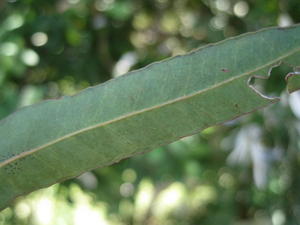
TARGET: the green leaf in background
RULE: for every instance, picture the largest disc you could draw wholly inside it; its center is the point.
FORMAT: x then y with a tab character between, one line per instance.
293	82
59	139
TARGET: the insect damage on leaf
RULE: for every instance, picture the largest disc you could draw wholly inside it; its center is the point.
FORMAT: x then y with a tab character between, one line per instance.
292	79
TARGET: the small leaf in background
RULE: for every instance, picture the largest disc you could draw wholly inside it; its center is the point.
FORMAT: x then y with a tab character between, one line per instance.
293	81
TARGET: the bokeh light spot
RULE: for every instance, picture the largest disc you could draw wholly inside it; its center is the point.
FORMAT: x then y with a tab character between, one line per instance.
39	39
284	20
73	1
30	57
9	49
126	189
124	64
241	9
14	21
129	175
218	22
23	210
103	5
278	217
45	211
223	5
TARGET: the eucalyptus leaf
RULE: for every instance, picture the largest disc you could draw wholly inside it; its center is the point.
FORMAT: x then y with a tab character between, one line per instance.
59	139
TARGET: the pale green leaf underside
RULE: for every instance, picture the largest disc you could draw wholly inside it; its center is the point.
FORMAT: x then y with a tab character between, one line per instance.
59	139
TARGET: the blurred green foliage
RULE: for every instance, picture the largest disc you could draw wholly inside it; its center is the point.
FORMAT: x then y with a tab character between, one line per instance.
244	172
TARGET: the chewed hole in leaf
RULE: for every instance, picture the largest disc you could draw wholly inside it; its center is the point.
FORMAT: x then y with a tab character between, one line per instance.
276	81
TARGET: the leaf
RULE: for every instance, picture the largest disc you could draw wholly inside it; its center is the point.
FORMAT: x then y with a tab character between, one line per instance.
60	139
293	81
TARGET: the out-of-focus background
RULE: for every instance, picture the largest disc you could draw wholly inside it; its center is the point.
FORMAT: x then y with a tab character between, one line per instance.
244	172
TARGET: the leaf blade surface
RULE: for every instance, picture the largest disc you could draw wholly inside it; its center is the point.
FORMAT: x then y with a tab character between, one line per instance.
60	139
